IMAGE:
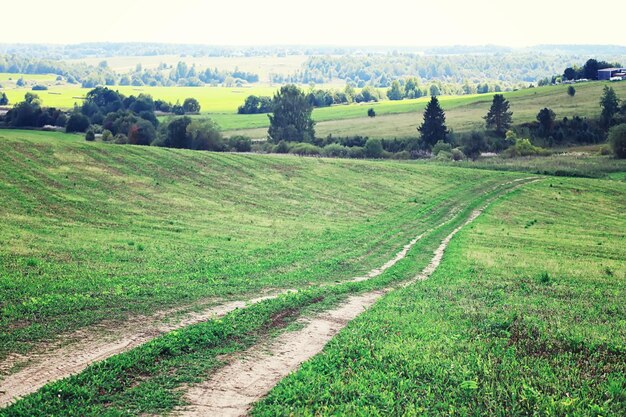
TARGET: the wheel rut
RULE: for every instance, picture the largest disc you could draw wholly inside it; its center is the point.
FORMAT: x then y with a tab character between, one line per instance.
233	389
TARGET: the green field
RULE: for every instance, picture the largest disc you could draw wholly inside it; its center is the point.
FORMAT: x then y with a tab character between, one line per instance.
212	99
463	113
524	317
156	227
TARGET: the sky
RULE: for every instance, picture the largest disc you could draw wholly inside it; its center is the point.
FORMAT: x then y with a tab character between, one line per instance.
318	22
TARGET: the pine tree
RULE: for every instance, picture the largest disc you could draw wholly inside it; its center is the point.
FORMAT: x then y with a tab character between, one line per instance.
434	127
499	116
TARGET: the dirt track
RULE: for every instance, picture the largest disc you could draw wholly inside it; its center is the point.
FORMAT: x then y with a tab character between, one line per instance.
92	346
233	389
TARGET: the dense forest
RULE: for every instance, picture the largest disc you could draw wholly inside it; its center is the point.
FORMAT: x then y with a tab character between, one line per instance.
506	70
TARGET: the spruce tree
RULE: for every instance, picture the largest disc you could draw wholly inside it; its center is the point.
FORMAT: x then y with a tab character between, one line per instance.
499	116
434	127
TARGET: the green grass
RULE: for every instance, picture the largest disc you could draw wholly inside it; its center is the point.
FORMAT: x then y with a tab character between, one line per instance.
587	165
525	316
463	113
147	380
94	231
212	99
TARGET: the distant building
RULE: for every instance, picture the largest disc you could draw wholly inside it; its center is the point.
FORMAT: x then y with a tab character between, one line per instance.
608	73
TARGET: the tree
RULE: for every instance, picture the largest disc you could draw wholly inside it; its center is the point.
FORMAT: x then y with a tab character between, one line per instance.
141	133
373	148
546	118
90	136
617	140
371	112
176	133
433	129
474	144
395	91
499	116
4	100
205	135
191	105
291	116
590	70
570	73
77	123
610	105
571	91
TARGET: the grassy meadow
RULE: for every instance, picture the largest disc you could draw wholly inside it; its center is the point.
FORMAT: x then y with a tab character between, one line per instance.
463	113
525	316
95	231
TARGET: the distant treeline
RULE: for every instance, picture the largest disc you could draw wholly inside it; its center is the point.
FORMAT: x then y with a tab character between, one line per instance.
89	76
457	74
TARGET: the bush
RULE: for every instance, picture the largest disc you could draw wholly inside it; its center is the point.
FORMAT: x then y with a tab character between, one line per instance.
356	152
457	154
474	144
281	147
90	136
373	148
402	155
240	143
617	140
120	139
371	112
442	146
443	155
39	88
334	150
305	149
107	136
523	147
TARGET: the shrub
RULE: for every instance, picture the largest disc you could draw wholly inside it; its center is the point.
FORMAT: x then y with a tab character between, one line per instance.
90	136
240	143
120	139
443	156
474	144
371	112
457	154
107	136
305	149
334	150
356	152
402	155
523	147
39	88
617	140
373	148
442	146
281	147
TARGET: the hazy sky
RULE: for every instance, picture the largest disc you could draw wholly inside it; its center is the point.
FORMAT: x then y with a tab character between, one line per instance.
328	22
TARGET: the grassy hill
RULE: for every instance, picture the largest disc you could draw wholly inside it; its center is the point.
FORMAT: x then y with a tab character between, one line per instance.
463	113
95	231
525	316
